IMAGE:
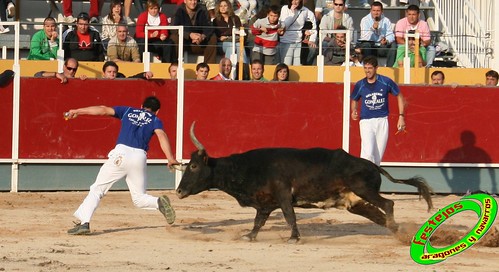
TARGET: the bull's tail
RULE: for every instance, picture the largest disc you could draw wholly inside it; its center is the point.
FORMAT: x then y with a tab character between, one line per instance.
424	189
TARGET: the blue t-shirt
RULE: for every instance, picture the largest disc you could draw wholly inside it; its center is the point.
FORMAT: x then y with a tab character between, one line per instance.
137	126
374	96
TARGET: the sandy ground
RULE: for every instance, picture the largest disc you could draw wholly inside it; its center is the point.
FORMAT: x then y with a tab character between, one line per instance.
206	237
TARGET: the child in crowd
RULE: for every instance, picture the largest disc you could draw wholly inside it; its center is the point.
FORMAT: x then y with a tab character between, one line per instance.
266	31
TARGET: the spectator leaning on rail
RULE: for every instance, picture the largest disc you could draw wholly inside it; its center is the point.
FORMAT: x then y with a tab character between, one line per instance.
68	71
335	51
158	40
123	47
45	43
199	36
412	22
376	35
267	31
491	78
294	15
110	70
84	43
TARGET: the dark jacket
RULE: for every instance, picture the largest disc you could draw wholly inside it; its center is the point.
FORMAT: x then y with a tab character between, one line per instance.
72	49
202	23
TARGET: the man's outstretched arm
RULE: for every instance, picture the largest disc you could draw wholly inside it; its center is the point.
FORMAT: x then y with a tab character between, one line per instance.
93	110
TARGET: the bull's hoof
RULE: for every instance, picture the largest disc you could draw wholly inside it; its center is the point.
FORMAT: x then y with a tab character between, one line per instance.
393	227
293	240
248	238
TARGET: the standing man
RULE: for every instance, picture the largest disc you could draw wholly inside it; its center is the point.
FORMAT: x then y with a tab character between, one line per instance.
225	70
84	43
376	35
411	21
45	43
257	70
199	36
128	158
372	92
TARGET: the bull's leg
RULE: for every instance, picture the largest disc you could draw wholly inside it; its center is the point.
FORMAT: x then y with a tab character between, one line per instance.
372	213
260	219
386	205
290	216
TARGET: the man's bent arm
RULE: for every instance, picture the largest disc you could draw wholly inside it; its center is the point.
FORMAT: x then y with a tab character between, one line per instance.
93	110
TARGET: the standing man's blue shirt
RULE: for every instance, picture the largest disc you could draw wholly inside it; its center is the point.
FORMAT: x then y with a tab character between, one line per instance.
137	126
374	96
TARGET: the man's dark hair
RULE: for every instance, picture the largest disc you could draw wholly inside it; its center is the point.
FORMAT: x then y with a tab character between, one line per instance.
411	7
202	65
437	72
110	63
377	4
152	103
275	9
83	16
371	60
493	74
257	61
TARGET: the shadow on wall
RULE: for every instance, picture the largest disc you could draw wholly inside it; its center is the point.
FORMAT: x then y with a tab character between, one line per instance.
461	180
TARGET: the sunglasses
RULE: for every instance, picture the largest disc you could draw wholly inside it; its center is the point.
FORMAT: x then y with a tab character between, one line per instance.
338	4
71	69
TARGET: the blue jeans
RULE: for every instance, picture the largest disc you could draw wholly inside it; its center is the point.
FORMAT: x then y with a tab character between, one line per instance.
227	48
430	55
290	53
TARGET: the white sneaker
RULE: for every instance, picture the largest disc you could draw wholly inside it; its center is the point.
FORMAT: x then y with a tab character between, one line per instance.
4	30
11	10
129	21
366	5
66	19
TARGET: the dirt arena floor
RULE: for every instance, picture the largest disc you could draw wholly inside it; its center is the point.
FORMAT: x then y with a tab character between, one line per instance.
206	237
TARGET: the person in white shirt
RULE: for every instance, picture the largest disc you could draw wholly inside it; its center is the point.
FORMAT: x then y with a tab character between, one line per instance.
376	35
294	15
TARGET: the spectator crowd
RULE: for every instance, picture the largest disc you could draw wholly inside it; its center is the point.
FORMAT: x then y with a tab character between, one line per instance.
275	33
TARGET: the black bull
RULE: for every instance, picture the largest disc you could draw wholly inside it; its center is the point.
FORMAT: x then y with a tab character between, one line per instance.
271	178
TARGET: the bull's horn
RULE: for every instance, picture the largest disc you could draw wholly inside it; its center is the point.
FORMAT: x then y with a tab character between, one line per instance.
180	167
194	140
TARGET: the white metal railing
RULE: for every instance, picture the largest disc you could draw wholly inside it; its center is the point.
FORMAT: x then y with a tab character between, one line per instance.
346	81
468	29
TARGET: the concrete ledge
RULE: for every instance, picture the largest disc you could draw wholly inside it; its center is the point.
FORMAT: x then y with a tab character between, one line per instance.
8	40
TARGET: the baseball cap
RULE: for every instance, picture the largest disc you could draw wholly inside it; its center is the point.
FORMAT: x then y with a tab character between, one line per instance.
84	16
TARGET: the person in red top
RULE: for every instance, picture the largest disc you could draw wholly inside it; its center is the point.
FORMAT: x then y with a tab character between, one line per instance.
158	41
225	70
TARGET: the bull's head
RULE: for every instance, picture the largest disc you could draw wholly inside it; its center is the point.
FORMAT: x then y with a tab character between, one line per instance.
197	172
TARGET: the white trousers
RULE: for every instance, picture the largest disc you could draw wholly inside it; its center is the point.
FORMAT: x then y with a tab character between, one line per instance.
374	136
122	161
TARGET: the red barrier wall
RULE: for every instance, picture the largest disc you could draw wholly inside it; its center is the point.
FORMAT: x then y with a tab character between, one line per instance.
234	117
6	113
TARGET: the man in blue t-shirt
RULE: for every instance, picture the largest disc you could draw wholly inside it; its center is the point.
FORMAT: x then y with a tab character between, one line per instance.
372	92
128	158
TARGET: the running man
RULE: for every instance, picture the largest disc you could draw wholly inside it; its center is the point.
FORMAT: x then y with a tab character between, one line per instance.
372	92
128	159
